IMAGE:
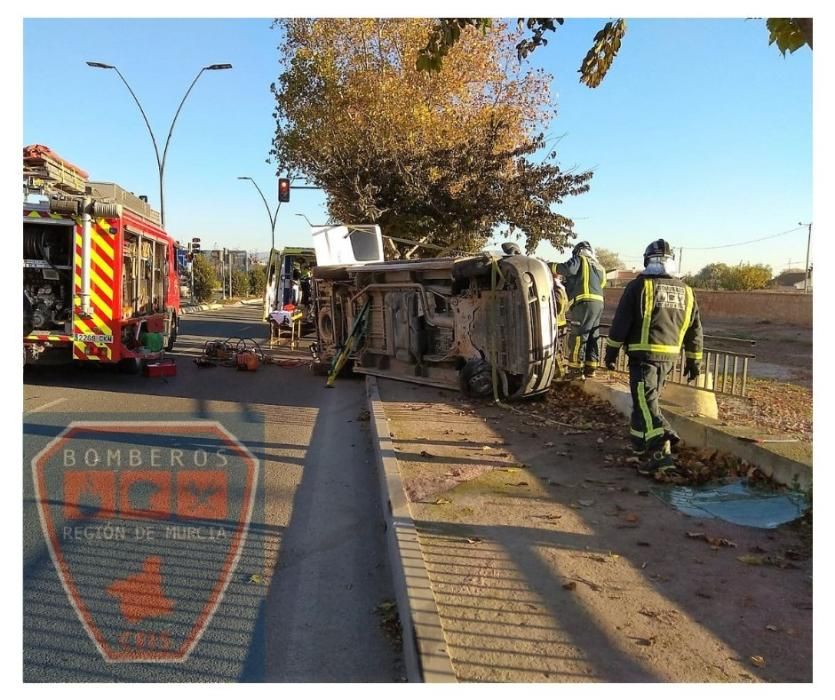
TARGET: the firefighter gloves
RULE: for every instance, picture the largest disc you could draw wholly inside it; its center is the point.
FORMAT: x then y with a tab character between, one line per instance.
611	357
692	369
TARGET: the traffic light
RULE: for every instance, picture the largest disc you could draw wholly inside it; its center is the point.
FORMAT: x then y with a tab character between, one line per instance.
195	245
283	189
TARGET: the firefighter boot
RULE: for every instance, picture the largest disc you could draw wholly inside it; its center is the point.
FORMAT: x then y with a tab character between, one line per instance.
660	462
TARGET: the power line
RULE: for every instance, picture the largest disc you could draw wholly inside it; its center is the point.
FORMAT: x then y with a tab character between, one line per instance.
756	240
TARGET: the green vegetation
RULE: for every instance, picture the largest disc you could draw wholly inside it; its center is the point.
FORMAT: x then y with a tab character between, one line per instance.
205	279
609	259
735	278
240	284
257	280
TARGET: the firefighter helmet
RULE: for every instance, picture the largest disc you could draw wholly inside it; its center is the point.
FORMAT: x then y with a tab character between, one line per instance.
658	249
583	245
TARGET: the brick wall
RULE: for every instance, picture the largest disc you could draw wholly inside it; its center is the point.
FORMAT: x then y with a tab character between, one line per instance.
778	307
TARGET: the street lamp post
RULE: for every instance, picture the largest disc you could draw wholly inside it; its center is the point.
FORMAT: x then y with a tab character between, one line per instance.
273	217
160	160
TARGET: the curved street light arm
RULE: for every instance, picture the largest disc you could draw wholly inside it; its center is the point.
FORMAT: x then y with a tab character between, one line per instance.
174	121
273	217
144	116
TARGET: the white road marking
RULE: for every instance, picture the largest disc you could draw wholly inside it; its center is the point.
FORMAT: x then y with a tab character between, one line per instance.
44	406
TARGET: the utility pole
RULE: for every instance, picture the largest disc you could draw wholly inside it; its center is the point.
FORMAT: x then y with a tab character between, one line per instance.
808	247
681	260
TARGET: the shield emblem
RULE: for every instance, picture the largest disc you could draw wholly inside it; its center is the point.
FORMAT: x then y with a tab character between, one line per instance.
145	523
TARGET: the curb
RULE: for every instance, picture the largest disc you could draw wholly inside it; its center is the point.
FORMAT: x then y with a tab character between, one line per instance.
424	647
698	431
195	308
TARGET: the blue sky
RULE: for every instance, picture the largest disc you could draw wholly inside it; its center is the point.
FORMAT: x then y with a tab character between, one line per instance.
701	133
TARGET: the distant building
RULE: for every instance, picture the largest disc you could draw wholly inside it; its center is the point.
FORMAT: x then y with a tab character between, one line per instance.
791	279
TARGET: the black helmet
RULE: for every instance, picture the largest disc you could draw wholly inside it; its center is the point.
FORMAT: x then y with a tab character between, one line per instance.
582	245
510	248
658	249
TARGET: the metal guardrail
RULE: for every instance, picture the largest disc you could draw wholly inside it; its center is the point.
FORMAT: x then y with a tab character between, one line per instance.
723	371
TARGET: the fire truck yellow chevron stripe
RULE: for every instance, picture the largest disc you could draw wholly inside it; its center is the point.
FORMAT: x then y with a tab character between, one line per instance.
101	239
104	266
102	308
104	285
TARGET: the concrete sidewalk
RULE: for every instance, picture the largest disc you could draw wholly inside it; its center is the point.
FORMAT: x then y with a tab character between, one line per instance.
551	561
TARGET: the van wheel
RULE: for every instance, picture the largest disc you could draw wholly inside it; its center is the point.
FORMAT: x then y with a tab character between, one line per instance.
173	328
476	379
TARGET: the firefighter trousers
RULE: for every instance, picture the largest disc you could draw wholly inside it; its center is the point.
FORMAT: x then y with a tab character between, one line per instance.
584	334
648	428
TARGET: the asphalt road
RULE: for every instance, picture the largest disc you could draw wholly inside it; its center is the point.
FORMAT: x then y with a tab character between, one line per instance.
295	595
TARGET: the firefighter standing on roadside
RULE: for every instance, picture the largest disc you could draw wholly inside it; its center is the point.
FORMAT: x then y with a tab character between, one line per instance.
657	314
585	279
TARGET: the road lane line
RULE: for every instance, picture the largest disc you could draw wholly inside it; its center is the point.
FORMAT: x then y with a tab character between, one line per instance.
44	406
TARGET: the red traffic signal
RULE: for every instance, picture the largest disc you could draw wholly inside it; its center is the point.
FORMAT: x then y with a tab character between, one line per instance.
283	189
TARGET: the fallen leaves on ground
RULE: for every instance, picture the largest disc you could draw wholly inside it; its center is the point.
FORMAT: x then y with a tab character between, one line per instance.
713	541
766	560
390	622
791	414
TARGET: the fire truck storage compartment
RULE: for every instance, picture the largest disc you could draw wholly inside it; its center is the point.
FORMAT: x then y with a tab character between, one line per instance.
47	274
143	278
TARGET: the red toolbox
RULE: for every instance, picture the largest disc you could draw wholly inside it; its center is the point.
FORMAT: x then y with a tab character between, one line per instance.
163	368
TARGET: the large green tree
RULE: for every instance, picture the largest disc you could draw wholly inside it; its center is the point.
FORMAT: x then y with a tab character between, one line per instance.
444	158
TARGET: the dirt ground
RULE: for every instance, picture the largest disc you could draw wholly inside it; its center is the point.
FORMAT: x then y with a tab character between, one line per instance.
782	352
551	559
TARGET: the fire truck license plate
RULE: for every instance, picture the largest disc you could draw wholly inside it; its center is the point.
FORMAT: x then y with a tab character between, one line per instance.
93	338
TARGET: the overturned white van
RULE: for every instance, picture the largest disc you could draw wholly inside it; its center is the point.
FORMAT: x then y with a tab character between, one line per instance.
453	322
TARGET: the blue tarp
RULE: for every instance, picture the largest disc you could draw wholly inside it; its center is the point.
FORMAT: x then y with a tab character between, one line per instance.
737	502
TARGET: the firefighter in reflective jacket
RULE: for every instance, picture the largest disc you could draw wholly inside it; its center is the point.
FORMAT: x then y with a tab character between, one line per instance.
585	279
657	314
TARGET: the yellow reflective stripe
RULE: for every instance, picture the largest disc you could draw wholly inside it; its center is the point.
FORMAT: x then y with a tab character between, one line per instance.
642	402
693	355
646	436
649	347
648	304
688	312
575	356
587	297
613	343
585	276
591	364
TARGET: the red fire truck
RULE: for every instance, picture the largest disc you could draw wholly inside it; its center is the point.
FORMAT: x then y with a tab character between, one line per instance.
100	278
